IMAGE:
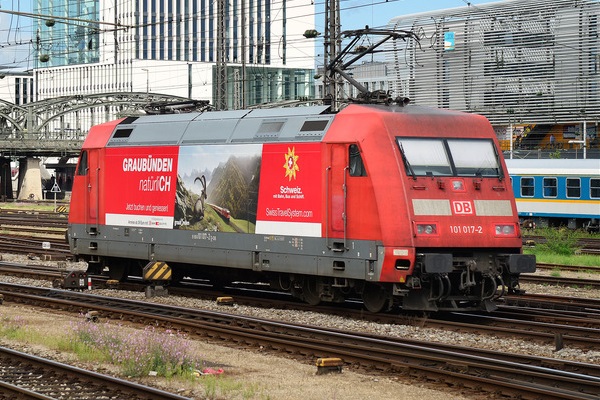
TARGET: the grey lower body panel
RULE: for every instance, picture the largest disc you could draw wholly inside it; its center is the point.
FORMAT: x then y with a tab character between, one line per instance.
257	252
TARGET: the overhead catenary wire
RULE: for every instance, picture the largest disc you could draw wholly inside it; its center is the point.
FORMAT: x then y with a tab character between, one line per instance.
273	21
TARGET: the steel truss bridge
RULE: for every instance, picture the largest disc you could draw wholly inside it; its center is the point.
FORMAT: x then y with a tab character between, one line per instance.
57	127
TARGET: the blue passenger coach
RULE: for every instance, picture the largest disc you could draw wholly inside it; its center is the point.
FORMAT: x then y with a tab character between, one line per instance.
557	192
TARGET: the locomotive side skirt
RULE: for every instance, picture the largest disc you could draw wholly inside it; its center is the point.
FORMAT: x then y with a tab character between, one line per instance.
270	253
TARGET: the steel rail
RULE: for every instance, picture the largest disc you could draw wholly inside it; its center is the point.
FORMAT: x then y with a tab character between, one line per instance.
560	281
552	378
574	268
51	380
574	328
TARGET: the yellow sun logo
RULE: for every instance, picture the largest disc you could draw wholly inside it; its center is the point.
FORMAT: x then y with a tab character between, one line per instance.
290	163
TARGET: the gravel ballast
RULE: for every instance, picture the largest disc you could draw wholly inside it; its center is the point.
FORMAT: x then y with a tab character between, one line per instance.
267	376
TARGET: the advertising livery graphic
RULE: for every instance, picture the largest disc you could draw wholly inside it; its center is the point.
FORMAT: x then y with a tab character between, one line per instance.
290	190
270	189
217	188
145	180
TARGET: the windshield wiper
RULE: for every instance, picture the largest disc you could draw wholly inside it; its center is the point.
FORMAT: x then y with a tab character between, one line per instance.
406	163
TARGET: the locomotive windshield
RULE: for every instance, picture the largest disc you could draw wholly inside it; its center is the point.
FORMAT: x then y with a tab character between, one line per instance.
449	157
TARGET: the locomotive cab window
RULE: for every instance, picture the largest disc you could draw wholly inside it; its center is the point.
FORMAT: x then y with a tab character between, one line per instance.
450	157
550	187
424	157
357	168
83	163
474	157
573	188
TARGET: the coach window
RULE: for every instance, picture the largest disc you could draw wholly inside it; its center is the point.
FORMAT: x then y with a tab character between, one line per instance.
357	167
550	187
527	187
573	187
595	188
83	163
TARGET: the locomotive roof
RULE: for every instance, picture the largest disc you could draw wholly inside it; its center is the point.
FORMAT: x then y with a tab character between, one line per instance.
554	167
235	126
242	126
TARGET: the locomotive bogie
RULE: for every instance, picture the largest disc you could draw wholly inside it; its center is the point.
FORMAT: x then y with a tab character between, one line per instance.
325	206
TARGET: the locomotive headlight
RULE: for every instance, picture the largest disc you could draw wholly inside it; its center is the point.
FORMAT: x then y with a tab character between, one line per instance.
426	229
505	230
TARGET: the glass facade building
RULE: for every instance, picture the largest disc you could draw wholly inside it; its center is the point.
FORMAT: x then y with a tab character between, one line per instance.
529	61
71	37
170	47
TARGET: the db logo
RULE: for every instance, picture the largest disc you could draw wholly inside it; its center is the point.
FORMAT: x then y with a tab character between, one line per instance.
462	207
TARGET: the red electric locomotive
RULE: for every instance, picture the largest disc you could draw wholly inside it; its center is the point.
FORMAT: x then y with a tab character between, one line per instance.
401	205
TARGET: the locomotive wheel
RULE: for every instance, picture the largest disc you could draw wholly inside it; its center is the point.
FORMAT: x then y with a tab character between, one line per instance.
219	283
116	271
375	297
310	291
94	268
176	275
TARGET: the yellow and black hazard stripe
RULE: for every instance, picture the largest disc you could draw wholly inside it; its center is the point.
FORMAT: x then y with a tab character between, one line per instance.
157	271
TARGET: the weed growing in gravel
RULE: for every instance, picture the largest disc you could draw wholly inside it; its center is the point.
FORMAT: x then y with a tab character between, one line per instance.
217	388
167	353
555	272
550	257
560	241
12	328
560	247
16	328
210	387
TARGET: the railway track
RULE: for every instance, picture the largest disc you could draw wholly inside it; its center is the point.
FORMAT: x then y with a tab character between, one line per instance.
33	218
571	268
549	303
46	248
574	327
560	281
34	233
482	370
24	376
585	245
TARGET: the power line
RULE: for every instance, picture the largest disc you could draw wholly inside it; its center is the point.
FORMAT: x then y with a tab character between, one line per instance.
54	17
